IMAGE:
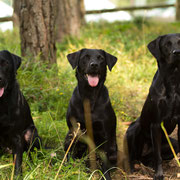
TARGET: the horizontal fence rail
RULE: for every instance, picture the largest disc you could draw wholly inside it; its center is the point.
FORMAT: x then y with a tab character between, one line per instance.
5	19
130	8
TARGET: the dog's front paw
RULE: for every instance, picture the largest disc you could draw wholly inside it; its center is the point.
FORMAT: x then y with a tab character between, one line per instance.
159	173
158	177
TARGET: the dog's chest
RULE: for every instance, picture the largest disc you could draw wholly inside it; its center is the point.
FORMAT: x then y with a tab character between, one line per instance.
5	124
99	116
3	108
174	105
170	109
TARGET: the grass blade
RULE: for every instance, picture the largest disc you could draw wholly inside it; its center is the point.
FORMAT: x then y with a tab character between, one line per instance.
75	134
167	137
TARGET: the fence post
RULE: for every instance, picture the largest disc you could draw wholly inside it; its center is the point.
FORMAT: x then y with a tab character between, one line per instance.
178	10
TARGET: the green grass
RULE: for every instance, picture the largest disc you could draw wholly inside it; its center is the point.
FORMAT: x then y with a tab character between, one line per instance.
48	90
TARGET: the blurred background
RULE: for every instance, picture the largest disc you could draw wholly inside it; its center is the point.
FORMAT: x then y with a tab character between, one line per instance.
166	13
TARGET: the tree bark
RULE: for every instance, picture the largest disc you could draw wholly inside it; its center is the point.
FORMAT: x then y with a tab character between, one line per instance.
16	13
178	10
70	17
37	29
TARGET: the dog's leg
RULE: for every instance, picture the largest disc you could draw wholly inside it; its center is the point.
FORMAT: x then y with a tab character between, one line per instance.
77	149
105	171
108	157
104	161
18	154
108	152
32	138
134	145
67	142
112	151
156	142
179	134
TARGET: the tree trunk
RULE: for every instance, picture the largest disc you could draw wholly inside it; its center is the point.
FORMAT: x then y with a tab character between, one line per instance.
37	29
16	13
70	17
178	10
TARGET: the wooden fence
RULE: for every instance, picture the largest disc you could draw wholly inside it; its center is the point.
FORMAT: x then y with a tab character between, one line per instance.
4	19
128	8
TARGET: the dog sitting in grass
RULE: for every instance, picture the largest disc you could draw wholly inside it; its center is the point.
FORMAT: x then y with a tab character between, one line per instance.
17	129
90	106
145	139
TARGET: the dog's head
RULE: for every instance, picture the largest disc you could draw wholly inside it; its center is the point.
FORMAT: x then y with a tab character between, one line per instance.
9	63
166	49
91	64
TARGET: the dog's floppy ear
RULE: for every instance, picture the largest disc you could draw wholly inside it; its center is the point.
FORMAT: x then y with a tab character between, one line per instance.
73	58
154	48
110	60
16	60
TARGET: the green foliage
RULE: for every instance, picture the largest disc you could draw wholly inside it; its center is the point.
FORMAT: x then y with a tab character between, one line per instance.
48	89
10	40
122	3
9	2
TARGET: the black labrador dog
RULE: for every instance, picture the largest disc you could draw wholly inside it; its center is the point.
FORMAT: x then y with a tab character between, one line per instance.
145	138
17	130
91	70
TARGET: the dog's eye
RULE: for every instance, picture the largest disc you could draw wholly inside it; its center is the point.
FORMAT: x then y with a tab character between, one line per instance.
87	56
178	42
169	44
4	63
100	57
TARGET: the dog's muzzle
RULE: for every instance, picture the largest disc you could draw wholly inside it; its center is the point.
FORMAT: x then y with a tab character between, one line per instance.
176	52
2	86
1	91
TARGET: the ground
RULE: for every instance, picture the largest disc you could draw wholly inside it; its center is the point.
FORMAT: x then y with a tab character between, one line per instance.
170	168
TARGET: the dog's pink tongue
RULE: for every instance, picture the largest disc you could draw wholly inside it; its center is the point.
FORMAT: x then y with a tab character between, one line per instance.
1	91
93	80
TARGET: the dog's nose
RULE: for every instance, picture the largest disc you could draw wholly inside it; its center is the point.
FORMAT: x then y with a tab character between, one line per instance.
0	79
93	64
176	52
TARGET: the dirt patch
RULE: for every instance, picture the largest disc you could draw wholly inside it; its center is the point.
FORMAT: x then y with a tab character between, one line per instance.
170	168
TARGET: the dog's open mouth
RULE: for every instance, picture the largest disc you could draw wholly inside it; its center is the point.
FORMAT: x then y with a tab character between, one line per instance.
93	80
1	91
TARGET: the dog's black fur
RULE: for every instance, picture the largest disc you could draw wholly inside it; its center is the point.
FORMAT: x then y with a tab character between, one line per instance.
17	130
93	62
162	104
